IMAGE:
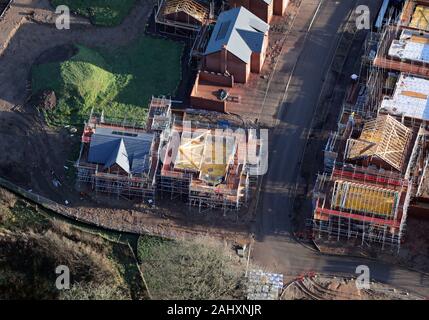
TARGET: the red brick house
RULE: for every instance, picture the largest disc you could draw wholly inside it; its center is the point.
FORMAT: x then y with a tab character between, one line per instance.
237	45
280	7
263	9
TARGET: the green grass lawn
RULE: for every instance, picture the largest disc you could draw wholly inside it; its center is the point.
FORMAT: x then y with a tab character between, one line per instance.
120	81
100	12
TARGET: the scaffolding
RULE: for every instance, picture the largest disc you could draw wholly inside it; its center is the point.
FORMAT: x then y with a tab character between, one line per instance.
385	156
114	180
159	116
207	175
361	203
184	18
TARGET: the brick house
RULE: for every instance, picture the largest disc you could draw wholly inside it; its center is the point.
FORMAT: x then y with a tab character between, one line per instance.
263	9
237	45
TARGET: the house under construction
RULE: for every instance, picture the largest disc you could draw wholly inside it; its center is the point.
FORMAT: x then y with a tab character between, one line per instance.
376	162
364	192
118	158
184	17
205	167
205	164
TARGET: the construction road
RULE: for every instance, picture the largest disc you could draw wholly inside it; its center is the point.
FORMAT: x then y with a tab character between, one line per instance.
310	48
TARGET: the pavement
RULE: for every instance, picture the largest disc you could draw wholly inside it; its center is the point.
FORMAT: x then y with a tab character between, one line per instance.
303	65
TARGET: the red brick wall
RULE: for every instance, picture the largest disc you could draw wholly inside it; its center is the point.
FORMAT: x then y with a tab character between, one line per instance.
207	104
257	7
215	62
212	62
259	58
216	78
280	7
239	69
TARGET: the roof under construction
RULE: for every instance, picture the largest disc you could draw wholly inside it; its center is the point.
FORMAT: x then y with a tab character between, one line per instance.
207	154
364	198
420	18
192	8
190	153
384	138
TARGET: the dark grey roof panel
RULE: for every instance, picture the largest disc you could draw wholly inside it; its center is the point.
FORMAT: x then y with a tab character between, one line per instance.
106	149
120	157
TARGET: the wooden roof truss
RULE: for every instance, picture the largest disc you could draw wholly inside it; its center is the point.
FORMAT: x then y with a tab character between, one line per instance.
383	137
190	7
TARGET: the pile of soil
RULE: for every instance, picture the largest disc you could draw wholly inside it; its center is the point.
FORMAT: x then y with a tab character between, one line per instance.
46	100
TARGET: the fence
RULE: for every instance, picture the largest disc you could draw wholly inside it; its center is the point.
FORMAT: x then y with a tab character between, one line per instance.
113	222
121	220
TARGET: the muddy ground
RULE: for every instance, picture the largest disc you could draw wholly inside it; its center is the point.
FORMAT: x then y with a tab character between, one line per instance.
29	150
320	287
33	154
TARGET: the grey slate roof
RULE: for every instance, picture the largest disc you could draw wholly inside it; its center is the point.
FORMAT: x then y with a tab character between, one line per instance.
130	152
119	157
240	31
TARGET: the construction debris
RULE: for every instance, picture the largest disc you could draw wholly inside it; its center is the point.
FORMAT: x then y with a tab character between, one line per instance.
321	287
264	286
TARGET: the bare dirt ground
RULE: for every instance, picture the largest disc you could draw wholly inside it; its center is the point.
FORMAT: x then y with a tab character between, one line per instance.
319	287
30	150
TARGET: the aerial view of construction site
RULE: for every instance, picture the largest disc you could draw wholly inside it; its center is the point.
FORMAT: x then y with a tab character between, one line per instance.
214	150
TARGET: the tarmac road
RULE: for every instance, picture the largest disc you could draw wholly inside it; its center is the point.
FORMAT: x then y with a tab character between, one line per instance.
312	45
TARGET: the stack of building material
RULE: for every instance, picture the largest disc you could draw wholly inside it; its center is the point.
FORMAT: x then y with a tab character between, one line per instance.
410	98
264	286
411	46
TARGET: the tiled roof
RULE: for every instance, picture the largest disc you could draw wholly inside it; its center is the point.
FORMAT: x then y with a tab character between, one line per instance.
131	151
240	31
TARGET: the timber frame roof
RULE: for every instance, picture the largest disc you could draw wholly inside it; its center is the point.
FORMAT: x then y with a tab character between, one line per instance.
190	7
383	137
